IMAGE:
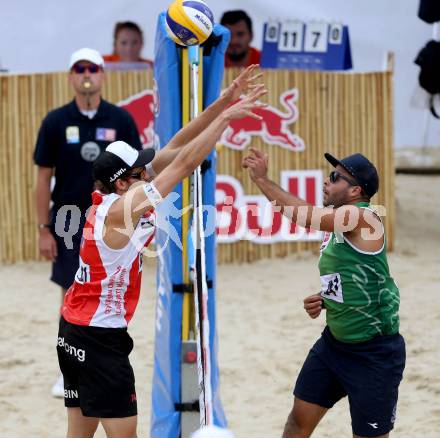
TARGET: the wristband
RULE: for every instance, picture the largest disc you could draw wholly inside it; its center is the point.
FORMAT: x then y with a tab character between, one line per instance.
152	194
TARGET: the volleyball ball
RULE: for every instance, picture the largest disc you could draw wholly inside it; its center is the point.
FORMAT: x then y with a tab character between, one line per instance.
189	22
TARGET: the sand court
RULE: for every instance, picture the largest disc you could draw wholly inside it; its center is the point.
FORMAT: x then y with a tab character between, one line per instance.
264	335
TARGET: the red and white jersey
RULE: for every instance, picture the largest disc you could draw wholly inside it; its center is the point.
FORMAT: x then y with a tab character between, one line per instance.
106	288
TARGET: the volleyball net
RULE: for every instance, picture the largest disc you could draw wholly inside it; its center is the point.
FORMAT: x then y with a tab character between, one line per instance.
185	390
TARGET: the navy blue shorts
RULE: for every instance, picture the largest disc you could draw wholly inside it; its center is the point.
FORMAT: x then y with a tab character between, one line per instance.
369	373
68	243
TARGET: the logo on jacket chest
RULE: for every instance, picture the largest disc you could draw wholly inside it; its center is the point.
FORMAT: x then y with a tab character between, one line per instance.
90	151
105	134
72	134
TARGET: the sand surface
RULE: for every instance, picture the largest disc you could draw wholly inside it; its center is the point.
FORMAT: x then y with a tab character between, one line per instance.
264	335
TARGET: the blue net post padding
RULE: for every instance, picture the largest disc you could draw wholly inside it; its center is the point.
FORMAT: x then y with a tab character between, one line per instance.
165	421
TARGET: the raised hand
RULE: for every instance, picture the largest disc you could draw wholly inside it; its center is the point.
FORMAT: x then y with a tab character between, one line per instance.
243	83
244	107
256	163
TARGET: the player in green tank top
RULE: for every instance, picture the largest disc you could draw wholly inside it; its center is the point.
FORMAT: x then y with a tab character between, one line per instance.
360	353
361	299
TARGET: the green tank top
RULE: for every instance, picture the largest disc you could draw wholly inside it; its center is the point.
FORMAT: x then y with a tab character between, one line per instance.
360	297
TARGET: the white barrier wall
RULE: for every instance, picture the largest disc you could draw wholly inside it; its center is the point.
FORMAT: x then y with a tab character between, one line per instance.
39	36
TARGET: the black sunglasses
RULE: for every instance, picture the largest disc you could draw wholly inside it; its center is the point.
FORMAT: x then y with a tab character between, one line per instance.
334	175
80	68
137	175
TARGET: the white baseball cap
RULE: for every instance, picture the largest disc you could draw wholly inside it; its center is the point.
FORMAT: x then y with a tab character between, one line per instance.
212	432
86	54
118	158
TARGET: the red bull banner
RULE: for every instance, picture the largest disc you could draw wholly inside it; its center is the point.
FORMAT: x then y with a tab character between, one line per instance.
274	127
241	216
254	218
142	107
308	113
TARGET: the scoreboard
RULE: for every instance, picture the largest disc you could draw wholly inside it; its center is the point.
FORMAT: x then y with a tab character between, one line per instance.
317	45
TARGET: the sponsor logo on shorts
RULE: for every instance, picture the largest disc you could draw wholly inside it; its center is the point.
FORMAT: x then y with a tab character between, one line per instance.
79	353
70	393
374	425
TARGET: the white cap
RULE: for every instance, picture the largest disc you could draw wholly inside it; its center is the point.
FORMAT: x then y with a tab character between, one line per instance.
117	158
86	54
212	432
124	151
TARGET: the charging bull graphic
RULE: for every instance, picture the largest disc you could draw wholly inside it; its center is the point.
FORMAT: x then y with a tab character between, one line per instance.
142	107
273	128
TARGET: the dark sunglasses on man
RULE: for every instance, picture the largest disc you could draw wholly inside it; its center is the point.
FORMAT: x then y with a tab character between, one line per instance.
334	175
137	175
134	175
81	68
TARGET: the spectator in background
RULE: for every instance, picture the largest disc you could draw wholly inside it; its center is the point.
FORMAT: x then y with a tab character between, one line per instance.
70	139
239	52
128	41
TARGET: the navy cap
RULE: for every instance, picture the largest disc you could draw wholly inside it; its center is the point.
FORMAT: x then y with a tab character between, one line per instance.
361	169
118	158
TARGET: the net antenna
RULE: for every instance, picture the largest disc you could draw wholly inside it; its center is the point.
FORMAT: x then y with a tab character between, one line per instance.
200	283
196	377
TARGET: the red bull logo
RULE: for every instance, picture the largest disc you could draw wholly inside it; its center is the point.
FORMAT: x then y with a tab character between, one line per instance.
273	128
143	107
253	217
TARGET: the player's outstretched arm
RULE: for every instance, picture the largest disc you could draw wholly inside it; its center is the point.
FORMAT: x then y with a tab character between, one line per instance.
141	197
243	83
193	154
344	219
257	165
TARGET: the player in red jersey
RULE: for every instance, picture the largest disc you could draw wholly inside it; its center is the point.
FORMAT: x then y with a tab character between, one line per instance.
93	343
